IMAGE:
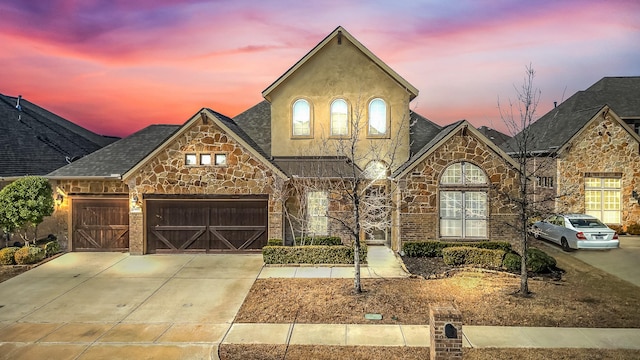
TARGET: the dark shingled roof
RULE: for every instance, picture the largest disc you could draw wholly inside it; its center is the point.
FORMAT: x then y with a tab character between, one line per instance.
119	157
421	132
559	125
34	141
256	122
431	143
494	135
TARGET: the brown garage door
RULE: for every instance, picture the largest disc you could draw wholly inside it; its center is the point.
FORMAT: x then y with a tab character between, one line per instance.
100	225
205	225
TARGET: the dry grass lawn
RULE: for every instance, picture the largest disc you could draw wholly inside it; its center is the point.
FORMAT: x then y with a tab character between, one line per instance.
584	297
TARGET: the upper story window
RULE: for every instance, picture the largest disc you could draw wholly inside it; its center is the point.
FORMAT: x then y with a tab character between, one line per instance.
301	119
377	118
463	173
339	118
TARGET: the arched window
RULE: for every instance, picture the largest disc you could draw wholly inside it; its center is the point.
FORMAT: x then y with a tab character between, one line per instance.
339	118
375	170
463	201
377	117
301	118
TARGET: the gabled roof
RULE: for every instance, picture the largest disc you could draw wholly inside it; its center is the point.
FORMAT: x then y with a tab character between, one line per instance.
341	32
256	122
443	136
553	130
116	159
226	124
34	141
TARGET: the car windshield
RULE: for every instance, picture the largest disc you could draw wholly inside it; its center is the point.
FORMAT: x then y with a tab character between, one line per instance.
587	223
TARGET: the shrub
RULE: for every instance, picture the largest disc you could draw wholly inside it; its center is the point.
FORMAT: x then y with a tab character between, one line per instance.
28	255
434	248
511	262
466	255
311	254
274	242
633	229
318	240
537	261
51	248
7	255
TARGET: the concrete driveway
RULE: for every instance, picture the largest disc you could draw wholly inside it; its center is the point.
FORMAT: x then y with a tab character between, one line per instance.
621	262
117	306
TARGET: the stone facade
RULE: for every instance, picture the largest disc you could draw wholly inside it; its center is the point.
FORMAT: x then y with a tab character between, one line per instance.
603	147
167	173
416	217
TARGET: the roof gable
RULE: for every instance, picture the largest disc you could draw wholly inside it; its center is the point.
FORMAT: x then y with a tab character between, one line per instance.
342	34
442	137
226	124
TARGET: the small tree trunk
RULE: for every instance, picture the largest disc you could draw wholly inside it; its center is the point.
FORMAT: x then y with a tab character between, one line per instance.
357	286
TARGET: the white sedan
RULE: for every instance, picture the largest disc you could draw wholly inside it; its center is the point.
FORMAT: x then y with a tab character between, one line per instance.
576	231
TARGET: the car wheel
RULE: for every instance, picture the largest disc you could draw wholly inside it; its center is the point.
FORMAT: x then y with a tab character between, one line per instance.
536	233
565	244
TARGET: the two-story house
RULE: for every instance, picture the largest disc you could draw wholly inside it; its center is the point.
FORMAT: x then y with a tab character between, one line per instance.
216	183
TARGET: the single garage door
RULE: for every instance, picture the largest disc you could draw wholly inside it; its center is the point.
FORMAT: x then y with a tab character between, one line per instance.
100	224
206	225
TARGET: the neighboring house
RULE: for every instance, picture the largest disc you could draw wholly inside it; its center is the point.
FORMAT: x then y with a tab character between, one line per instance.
221	184
35	141
587	152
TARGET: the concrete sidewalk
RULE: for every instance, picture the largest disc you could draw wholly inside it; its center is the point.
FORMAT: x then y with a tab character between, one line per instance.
418	335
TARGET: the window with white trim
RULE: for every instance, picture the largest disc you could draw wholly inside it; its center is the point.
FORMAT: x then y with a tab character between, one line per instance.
339	118
377	117
301	118
602	199
317	206
463	201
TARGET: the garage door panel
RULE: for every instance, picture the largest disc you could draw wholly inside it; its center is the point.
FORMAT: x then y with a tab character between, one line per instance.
100	225
206	225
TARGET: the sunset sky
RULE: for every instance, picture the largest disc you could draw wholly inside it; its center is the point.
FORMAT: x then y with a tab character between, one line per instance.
116	66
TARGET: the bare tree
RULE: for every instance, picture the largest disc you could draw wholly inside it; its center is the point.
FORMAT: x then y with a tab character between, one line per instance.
535	196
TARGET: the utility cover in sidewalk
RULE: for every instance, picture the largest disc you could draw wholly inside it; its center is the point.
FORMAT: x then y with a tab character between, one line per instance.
373	316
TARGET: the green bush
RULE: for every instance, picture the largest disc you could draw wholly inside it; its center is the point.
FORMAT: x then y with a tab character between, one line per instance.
511	262
311	254
434	248
633	229
466	255
318	240
274	242
51	248
537	261
28	255
7	255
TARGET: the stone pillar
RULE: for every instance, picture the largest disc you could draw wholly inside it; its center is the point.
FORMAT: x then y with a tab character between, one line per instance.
445	323
136	233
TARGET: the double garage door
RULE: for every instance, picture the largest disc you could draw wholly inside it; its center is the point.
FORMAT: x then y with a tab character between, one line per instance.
173	225
204	225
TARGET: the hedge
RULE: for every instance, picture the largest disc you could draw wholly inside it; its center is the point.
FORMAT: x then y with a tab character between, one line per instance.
537	261
51	248
7	255
28	255
318	240
274	242
466	255
434	248
633	229
311	254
